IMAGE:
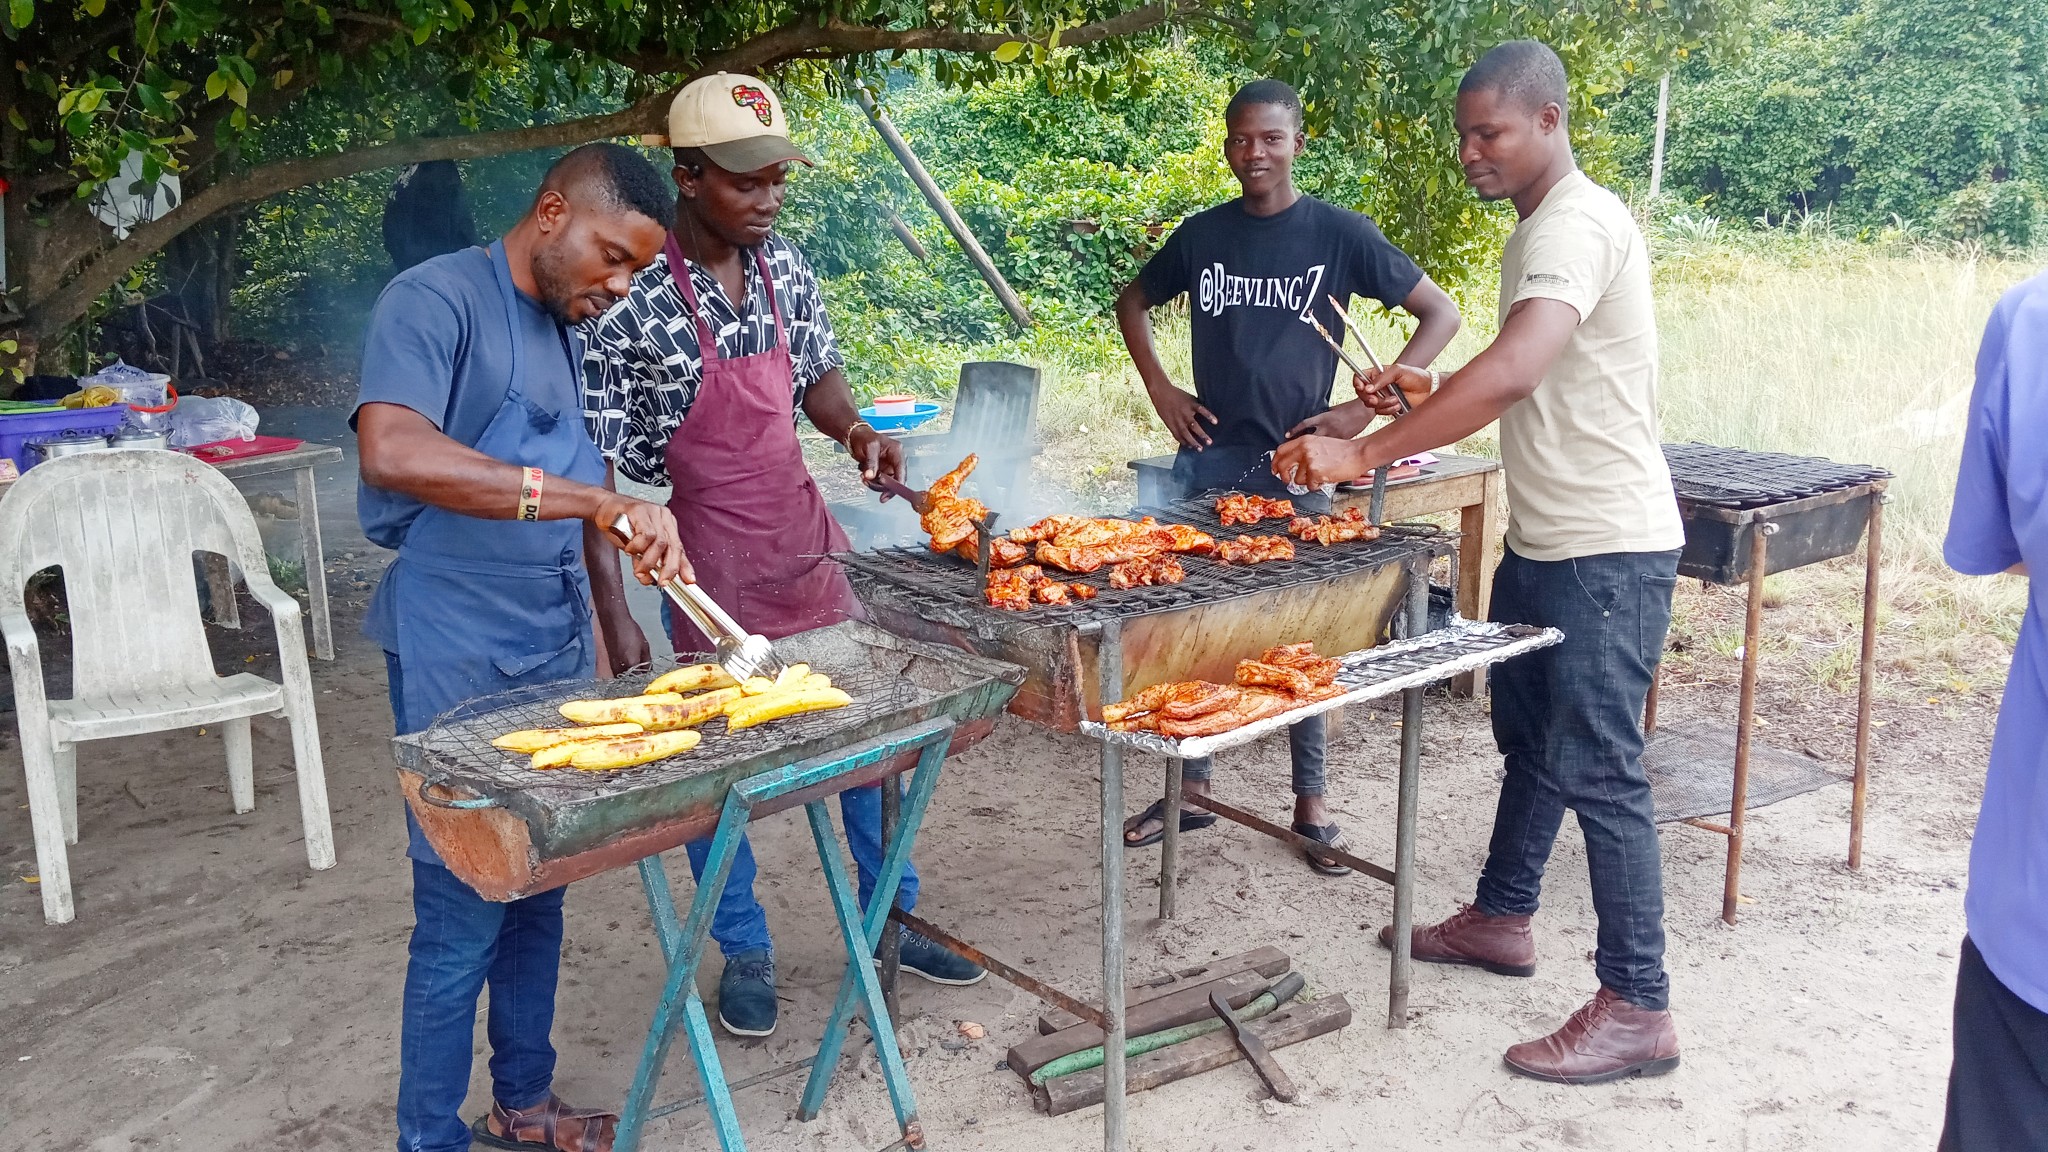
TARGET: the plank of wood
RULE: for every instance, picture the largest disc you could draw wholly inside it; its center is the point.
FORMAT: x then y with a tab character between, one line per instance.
1267	961
1182	1007
1289	1025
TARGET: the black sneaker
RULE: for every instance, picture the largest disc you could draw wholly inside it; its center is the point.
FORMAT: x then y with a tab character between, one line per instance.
746	994
929	959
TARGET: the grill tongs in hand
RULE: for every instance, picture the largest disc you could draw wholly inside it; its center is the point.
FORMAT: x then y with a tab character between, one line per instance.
741	653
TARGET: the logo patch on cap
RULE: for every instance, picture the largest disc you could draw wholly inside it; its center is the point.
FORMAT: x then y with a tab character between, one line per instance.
748	96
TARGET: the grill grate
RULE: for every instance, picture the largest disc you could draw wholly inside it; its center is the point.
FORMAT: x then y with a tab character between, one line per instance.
459	742
953	585
1735	478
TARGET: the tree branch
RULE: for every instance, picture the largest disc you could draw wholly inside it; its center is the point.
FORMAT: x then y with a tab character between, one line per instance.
69	299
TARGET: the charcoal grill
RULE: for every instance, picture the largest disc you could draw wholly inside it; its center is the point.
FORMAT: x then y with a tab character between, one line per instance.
1341	596
1751	514
510	831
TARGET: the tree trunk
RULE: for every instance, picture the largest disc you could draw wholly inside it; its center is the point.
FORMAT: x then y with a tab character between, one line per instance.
199	272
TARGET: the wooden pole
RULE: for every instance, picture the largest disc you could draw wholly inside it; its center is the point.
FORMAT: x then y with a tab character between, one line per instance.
908	238
943	207
1657	149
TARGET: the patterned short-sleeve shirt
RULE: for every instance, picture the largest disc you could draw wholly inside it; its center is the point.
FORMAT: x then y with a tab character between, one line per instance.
642	365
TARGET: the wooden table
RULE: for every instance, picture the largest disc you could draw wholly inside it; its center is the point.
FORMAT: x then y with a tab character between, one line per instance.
220	585
1467	485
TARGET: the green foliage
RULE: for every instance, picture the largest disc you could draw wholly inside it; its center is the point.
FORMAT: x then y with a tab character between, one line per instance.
1873	110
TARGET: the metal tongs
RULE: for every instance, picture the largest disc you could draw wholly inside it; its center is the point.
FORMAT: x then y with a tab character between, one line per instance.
741	653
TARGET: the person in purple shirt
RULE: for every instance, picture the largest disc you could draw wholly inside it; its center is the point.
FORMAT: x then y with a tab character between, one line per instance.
1998	1086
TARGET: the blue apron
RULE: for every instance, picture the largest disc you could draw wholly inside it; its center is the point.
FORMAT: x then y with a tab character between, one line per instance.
486	605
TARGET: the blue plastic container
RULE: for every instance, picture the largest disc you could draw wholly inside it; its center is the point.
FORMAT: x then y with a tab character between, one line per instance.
925	412
22	429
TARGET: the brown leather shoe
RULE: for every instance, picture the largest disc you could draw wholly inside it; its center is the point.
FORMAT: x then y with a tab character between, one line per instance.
1500	944
1607	1039
550	1126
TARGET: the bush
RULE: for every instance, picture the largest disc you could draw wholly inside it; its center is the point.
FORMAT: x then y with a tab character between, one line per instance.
2003	212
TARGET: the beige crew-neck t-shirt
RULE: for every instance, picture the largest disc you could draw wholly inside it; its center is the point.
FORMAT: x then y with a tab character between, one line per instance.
1584	463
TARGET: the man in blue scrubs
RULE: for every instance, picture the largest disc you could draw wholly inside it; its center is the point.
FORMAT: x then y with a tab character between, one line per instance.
1998	1088
477	470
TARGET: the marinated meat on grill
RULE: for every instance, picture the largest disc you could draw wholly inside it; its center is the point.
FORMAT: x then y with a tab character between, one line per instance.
1081	591
948	517
1288	655
1181	538
1293	681
1050	592
1147	570
1015	589
1197	698
1320	670
1255	549
1001	554
1079	544
1046	529
1350	525
1145	701
1239	508
1252	705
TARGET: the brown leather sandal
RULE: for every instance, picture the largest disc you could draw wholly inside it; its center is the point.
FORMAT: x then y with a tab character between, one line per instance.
550	1126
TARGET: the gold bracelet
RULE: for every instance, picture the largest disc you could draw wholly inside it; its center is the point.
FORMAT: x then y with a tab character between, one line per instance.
529	494
848	442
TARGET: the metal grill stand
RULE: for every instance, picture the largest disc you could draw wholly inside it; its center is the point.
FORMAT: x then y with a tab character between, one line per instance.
808	783
1726	494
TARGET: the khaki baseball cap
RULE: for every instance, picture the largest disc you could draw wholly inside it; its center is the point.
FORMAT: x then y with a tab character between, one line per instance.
737	121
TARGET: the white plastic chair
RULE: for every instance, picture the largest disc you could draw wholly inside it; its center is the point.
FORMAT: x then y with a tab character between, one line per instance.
124	526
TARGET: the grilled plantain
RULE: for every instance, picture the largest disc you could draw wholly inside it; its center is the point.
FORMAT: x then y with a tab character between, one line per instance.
690	712
556	755
774	706
628	751
613	711
691	678
535	739
794	676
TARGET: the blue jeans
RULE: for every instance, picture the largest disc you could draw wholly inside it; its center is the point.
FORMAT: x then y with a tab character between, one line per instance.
460	942
740	924
1305	747
1567	720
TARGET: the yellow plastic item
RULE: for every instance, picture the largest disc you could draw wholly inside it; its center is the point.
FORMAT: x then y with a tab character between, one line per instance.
97	396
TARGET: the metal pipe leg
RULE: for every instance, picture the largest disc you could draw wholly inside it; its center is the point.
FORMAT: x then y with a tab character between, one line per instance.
1866	682
1110	679
892	934
684	950
1752	636
1169	848
1404	821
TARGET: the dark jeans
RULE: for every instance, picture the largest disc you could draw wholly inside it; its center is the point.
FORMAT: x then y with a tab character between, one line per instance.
1567	720
1304	743
460	942
1998	1086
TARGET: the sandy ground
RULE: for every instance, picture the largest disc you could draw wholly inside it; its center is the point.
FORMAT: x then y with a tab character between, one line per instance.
215	994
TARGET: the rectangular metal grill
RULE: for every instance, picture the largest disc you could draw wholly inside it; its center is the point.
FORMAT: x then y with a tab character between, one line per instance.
1707	474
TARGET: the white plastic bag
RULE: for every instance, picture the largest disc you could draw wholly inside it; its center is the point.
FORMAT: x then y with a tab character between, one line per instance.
206	419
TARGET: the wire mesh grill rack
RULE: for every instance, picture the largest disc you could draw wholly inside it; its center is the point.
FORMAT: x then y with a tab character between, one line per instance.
1736	478
1369	674
951	587
458	745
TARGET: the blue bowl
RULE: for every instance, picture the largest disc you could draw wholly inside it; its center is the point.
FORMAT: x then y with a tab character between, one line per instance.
925	412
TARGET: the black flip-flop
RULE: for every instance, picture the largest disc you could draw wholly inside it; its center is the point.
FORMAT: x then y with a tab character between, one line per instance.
1189	822
1329	834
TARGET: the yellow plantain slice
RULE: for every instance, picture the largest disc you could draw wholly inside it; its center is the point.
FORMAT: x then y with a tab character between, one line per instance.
628	751
535	739
761	709
690	712
691	678
612	711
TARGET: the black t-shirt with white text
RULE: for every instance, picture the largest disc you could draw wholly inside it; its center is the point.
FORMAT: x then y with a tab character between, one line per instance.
1250	279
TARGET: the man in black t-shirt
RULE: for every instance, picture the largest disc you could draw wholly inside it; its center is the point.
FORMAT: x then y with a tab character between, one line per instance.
1253	270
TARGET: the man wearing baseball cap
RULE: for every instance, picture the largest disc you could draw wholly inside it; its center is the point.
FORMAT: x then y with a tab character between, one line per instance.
694	381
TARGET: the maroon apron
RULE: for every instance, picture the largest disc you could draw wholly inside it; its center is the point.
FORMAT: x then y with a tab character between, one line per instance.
747	511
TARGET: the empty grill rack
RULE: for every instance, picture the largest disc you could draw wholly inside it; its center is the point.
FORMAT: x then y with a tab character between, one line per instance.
1340	596
1816	509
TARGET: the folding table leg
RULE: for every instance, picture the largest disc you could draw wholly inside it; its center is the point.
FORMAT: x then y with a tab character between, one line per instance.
683	948
923	781
1169	843
858	943
1400	965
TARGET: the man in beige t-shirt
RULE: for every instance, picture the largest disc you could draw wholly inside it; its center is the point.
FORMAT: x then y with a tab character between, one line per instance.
1592	549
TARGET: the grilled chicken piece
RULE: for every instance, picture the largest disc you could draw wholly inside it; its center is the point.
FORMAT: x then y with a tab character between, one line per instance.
1255	550
1252	705
947	487
1144	701
1239	508
1147	570
1045	529
1185	539
1197	698
1288	655
1254	674
1349	525
1050	592
1002	553
1081	591
948	518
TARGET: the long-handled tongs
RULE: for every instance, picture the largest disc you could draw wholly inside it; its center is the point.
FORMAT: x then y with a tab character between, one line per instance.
741	653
